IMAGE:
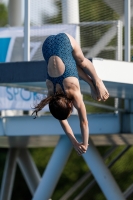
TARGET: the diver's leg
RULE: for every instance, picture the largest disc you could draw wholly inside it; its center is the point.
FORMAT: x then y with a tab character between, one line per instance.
87	66
88	79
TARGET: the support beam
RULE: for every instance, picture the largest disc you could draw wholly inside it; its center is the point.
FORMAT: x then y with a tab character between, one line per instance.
113	108
102	174
92	183
128	191
54	169
127	120
9	174
27	126
127	10
27	31
29	170
119	51
84	178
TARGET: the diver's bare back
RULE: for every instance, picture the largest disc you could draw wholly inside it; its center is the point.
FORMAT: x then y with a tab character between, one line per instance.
56	68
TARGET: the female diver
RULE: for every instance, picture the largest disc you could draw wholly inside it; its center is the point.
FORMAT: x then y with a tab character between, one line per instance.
65	64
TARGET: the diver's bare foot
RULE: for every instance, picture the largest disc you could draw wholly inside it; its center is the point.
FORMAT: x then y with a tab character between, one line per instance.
101	91
94	93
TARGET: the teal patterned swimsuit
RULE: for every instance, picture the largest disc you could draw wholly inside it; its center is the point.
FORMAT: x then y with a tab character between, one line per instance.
59	45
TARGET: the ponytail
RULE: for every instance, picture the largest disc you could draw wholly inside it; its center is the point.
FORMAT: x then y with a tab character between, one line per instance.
41	105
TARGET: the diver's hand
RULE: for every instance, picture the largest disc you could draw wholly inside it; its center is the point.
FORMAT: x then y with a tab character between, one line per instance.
80	148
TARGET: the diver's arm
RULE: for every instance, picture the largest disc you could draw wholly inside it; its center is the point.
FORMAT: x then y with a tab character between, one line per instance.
67	129
80	106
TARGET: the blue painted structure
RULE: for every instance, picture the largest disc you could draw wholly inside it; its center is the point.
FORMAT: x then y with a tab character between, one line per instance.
23	132
4	43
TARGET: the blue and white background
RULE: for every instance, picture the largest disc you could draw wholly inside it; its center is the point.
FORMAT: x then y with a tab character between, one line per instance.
12	50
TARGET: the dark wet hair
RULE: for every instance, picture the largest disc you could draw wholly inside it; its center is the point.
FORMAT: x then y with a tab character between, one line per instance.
60	106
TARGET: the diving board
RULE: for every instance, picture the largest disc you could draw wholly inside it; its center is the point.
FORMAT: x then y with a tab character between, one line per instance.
117	76
35	71
114	71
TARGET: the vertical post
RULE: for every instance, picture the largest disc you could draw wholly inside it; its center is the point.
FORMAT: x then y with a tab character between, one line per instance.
27	31
15	12
119	56
70	14
127	11
119	40
131	115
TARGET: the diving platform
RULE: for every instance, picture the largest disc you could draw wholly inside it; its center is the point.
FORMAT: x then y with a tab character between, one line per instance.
32	75
19	133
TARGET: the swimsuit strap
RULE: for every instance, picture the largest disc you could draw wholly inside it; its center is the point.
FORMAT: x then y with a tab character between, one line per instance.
56	80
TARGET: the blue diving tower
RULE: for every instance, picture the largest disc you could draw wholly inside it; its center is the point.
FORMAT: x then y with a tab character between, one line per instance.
20	133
